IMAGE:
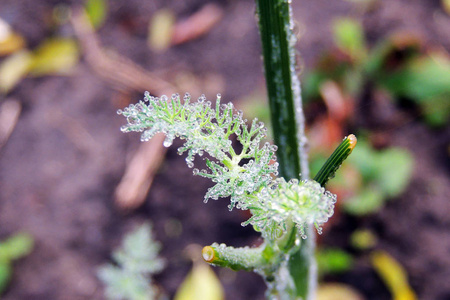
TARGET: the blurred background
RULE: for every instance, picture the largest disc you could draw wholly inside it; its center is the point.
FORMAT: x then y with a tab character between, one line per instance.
72	186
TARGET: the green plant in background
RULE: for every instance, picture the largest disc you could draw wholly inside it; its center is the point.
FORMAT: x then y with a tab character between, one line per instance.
385	175
12	249
135	262
396	65
333	261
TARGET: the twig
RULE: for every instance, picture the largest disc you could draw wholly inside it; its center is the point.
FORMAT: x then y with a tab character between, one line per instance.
113	67
197	25
139	174
125	74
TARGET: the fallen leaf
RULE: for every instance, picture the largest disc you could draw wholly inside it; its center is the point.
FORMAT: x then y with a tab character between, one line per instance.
10	41
200	283
160	30
9	114
337	291
393	275
446	6
197	25
140	171
338	104
13	69
56	56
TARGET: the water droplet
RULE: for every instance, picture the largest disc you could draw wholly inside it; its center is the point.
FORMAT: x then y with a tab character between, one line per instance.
168	142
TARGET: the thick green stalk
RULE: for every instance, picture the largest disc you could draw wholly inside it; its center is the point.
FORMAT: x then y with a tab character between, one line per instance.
283	88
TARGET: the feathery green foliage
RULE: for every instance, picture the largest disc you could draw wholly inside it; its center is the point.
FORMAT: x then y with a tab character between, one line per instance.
247	176
136	261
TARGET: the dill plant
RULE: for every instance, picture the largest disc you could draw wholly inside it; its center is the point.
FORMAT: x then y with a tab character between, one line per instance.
285	205
247	176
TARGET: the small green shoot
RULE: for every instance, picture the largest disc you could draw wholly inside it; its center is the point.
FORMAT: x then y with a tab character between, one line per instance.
333	163
333	261
11	249
137	259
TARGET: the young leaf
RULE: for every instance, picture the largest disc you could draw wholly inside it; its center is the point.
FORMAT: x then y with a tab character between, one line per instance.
15	247
5	275
136	261
333	163
200	283
96	11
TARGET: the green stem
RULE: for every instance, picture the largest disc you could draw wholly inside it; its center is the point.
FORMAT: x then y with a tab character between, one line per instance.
283	86
335	160
246	258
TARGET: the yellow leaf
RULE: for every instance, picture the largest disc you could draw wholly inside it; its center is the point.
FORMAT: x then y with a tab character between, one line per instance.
393	275
10	41
446	6
337	291
13	69
160	30
96	11
200	283
55	56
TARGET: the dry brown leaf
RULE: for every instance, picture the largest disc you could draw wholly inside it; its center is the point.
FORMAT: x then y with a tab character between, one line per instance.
139	174
10	41
197	25
337	102
9	114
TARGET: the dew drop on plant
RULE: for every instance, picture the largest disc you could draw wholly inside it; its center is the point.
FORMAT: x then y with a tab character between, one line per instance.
119	112
319	230
195	171
167	142
293	181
